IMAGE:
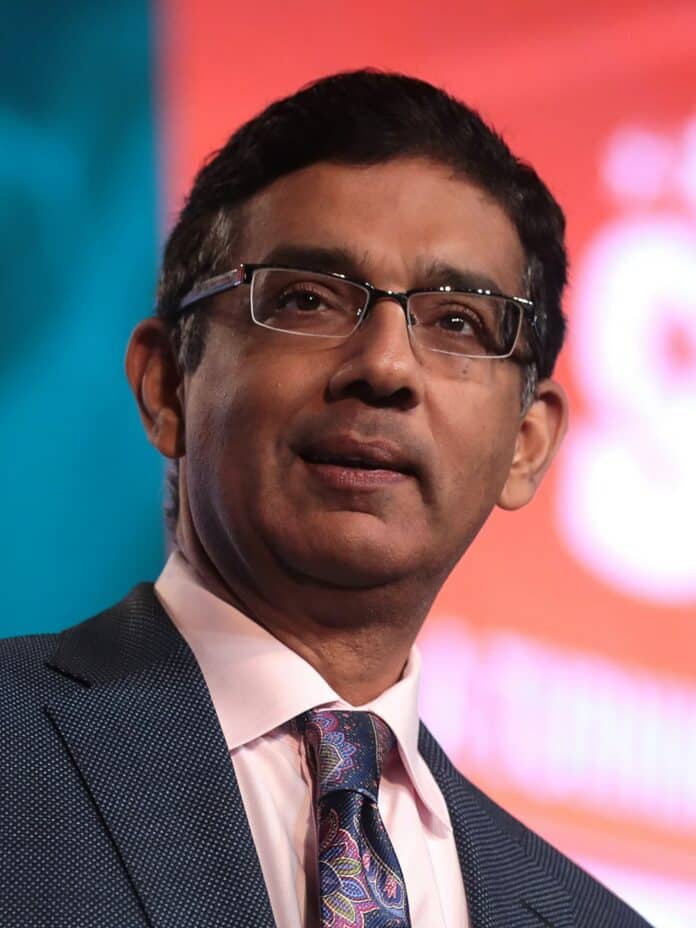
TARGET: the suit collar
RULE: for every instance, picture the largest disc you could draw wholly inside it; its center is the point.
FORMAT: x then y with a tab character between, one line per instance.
504	884
131	636
141	729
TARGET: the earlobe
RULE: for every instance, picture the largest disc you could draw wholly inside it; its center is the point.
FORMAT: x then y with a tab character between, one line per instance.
154	378
539	437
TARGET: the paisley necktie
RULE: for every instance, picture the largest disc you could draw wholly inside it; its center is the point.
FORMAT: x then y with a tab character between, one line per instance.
360	880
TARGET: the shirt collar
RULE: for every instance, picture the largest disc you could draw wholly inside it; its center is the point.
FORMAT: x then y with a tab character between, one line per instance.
239	657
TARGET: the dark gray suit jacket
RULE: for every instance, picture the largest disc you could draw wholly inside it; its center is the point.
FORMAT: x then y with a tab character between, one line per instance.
119	805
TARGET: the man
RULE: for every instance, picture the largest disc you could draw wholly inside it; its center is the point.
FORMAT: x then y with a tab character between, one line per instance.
359	315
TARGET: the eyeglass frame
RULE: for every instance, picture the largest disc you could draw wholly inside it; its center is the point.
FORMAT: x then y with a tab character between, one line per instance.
244	274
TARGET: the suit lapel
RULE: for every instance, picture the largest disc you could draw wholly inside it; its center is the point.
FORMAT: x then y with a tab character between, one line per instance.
141	728
503	884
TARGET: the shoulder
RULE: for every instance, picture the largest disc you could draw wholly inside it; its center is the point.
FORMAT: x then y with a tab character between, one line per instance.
43	671
29	663
23	668
593	903
27	686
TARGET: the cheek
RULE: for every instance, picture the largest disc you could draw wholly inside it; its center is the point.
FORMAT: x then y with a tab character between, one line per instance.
237	415
477	453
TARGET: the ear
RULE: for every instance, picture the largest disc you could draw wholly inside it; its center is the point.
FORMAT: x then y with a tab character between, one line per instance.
539	437
154	378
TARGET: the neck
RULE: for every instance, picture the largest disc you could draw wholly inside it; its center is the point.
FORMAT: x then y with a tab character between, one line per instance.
358	640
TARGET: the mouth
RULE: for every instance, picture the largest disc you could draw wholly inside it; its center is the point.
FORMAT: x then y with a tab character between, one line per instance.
359	455
355	463
348	463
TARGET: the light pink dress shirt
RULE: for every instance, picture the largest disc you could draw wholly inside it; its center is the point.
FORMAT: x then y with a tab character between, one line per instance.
257	686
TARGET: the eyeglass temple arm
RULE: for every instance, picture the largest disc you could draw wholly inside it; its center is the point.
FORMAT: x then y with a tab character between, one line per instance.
213	285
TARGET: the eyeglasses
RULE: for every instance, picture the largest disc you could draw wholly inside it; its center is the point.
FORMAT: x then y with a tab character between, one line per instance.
470	323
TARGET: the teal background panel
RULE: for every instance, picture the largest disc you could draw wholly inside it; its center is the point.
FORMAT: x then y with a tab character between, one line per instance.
80	487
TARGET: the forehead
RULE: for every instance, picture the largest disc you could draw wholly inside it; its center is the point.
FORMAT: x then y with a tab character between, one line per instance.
395	218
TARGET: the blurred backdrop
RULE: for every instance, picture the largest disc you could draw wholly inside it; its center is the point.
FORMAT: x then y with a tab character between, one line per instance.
560	659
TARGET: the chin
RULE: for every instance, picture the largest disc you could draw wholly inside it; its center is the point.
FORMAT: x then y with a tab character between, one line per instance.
350	574
351	562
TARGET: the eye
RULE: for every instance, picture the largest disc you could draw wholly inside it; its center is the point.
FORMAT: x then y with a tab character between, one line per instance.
457	323
458	320
302	298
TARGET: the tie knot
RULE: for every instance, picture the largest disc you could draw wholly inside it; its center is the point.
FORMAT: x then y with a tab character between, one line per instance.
346	749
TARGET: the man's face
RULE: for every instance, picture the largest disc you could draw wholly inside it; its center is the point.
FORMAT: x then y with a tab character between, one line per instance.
277	425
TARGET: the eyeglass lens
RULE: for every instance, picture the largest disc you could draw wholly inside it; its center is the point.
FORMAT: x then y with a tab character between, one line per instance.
314	304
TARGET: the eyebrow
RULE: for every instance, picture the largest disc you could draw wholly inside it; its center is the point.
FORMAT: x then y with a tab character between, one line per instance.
316	258
429	272
441	274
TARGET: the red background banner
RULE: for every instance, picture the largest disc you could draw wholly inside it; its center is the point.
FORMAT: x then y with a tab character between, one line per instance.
566	639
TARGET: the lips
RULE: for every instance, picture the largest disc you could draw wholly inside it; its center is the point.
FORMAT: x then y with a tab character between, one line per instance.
348	452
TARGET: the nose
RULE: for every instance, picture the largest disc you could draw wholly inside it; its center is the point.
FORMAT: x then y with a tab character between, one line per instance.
377	363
